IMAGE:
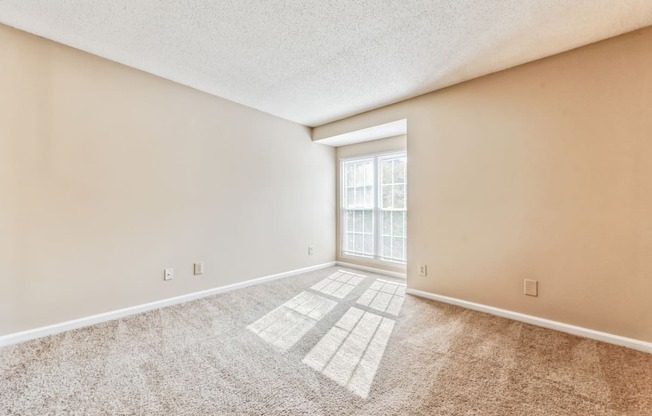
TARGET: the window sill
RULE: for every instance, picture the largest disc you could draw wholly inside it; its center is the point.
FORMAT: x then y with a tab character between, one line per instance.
370	260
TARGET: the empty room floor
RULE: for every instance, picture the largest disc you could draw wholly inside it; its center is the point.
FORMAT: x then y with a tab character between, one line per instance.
333	341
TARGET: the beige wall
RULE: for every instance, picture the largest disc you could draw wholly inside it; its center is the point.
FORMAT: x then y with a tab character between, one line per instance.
365	148
108	175
543	172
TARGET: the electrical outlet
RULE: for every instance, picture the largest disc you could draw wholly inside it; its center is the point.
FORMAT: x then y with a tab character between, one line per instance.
530	287
168	274
310	250
198	268
423	270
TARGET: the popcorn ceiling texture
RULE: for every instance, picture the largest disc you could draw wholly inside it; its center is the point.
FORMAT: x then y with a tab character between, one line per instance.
314	61
200	358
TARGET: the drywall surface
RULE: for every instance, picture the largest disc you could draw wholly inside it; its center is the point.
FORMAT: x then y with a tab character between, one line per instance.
108	175
318	61
543	172
375	146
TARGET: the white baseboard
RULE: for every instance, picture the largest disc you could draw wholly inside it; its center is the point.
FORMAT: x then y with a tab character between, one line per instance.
634	344
133	310
371	269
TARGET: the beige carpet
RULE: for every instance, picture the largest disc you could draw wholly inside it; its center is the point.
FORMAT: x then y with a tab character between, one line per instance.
323	343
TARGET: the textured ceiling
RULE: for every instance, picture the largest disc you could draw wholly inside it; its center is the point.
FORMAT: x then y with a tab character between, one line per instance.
316	61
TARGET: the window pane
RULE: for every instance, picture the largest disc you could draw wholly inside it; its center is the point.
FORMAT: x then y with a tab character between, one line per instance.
398	224
348	242
359	197
399	170
350	198
387	247
387	196
369	174
358	221
350	173
387	223
348	220
399	196
386	168
369	197
358	243
369	244
397	248
368	221
359	171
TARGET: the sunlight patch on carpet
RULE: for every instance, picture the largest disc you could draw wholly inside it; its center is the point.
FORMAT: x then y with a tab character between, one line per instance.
384	296
350	352
287	324
339	284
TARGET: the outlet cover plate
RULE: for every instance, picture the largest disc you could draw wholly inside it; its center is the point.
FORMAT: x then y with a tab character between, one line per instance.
530	287
168	274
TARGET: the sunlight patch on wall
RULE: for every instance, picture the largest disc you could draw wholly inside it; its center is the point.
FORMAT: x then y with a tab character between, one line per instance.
384	296
339	284
350	352
287	324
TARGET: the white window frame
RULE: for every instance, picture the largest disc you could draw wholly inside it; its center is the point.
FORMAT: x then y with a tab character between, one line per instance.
377	220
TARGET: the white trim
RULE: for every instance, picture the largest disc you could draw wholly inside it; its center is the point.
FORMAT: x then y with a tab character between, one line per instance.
133	310
382	153
382	131
371	270
377	219
634	344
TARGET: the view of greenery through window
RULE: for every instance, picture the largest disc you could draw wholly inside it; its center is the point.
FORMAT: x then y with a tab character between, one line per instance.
373	207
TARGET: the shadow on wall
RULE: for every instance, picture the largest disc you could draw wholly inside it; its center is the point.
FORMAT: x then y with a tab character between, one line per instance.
351	351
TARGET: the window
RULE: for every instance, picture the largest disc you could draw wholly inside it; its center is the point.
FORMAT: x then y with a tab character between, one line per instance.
373	215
